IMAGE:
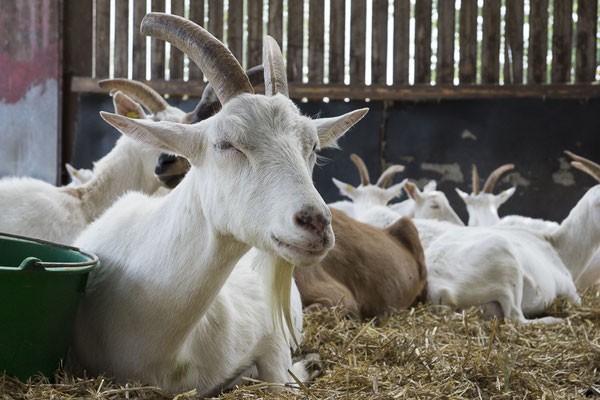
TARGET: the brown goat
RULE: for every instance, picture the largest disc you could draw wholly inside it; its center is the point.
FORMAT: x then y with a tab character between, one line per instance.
370	271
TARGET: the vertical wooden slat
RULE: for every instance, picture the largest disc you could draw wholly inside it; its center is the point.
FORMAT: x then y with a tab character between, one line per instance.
379	42
490	49
357	41
295	33
423	41
255	31
176	57
276	20
215	18
562	32
585	61
336	41
445	42
139	41
78	18
102	38
513	44
235	24
315	41
401	41
121	38
196	15
538	42
467	68
158	47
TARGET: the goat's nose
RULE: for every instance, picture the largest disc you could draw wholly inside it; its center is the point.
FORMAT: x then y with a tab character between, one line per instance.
164	162
312	220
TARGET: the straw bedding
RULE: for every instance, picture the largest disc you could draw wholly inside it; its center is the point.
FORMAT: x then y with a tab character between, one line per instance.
426	352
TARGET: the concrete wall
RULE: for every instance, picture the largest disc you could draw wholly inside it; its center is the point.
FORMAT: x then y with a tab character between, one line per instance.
438	140
29	88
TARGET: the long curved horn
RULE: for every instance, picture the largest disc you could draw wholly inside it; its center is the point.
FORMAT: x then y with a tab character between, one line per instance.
216	62
585	165
488	187
275	77
388	174
209	104
362	169
138	91
475	179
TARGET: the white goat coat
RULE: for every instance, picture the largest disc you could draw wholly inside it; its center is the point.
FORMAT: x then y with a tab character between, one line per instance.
34	208
123	303
471	266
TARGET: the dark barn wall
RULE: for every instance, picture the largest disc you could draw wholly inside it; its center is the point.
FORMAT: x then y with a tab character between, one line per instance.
436	140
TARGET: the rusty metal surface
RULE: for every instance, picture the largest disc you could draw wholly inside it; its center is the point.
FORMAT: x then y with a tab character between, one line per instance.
29	88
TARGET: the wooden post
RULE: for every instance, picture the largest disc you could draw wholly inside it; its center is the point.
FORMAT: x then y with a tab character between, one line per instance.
215	18
585	61
423	41
357	41
468	41
235	35
315	41
401	41
445	42
538	42
255	33
295	39
176	57
121	38
336	41
276	21
379	41
490	53
102	38
562	34
139	41
196	15
513	45
158	47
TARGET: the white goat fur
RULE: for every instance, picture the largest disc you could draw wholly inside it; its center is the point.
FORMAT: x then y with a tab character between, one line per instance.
34	208
522	269
163	308
483	211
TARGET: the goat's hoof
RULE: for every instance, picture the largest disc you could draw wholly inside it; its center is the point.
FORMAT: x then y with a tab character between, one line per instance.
307	367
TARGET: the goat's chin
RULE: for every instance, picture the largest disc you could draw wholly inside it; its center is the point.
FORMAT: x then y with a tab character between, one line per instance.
296	254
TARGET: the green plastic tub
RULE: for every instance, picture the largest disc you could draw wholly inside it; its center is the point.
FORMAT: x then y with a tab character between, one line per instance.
40	287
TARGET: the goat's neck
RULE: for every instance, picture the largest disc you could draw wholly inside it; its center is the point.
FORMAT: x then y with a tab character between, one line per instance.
127	167
578	238
194	260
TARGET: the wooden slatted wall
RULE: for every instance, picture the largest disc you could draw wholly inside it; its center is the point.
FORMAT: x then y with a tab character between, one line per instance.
454	49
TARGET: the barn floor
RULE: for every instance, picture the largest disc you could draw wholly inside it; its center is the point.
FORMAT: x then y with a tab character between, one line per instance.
427	352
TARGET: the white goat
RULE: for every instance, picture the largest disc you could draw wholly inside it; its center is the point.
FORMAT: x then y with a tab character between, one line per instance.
34	208
162	309
483	211
78	176
369	200
427	204
520	268
482	206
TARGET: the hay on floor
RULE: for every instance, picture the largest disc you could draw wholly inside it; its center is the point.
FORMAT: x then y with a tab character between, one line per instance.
427	352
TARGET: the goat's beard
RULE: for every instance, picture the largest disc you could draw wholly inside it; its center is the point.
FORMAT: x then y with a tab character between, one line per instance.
280	273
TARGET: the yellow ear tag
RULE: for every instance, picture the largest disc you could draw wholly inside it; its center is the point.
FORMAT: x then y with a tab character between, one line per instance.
133	114
349	187
505	191
74	173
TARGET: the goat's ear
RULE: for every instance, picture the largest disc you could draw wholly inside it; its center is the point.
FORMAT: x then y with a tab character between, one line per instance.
346	189
331	129
505	195
430	187
462	194
126	106
394	190
413	192
171	137
71	170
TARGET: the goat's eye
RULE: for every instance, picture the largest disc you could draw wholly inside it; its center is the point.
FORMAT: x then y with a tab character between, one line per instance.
435	206
224	146
314	149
